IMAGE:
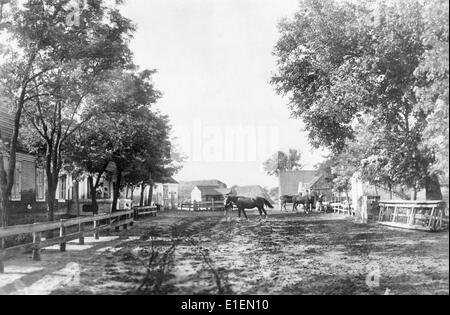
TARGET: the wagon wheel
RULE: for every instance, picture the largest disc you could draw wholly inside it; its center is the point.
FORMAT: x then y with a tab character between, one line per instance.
440	219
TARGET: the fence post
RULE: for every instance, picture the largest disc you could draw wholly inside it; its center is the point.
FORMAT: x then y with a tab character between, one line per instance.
36	256
81	230
62	233
96	233
131	216
118	221
125	226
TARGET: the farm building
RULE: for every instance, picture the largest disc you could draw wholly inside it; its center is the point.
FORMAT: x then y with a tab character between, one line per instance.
295	182
186	188
208	193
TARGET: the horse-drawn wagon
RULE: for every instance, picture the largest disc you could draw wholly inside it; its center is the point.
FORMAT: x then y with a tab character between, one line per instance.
416	215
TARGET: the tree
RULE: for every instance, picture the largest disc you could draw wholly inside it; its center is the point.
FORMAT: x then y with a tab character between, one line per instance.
282	161
64	68
89	149
157	162
433	93
342	62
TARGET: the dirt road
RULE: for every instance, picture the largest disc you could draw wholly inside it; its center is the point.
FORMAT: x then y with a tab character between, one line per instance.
187	253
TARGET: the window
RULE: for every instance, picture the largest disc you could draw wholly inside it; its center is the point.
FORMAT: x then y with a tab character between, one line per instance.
16	193
40	185
62	188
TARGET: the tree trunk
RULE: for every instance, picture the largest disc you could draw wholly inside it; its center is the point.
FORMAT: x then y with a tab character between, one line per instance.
93	195
415	194
141	202
150	194
3	209
7	176
391	195
433	188
3	192
76	196
117	190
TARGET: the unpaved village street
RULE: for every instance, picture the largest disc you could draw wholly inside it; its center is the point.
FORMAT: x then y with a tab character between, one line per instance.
201	253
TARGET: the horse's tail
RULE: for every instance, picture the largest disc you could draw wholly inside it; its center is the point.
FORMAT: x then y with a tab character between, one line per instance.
267	203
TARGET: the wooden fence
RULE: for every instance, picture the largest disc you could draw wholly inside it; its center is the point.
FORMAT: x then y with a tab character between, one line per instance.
203	206
145	211
67	230
416	215
346	209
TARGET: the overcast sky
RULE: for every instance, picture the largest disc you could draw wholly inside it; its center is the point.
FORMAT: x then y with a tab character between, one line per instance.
214	61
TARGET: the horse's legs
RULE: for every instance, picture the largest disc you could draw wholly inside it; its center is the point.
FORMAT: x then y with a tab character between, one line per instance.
245	214
265	212
260	212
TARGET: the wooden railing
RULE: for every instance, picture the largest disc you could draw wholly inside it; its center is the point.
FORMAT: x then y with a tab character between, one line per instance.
416	215
145	211
203	206
67	230
346	209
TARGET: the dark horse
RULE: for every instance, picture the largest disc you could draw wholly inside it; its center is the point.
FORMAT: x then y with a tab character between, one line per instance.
308	201
243	203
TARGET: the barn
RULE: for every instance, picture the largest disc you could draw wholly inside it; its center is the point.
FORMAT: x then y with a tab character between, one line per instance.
294	182
186	188
208	193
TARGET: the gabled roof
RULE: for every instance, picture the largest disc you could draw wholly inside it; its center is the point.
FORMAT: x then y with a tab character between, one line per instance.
211	182
209	190
186	187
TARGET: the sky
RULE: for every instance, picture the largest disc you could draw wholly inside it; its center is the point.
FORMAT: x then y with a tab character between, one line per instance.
214	60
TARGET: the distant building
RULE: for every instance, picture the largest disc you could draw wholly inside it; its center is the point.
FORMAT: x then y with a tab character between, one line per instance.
295	182
207	193
166	194
186	188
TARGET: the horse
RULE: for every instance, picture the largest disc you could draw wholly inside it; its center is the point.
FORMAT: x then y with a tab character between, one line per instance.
296	201
243	203
308	202
285	200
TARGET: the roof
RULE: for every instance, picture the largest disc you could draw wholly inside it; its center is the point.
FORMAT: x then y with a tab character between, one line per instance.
211	182
186	187
289	181
209	190
252	192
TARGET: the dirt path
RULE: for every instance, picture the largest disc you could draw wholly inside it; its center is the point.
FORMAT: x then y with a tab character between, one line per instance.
185	253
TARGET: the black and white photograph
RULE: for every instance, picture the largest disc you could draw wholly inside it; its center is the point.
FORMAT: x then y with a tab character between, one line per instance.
224	152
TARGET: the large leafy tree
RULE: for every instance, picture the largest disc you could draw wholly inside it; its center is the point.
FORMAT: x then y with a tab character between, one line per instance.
343	62
282	161
42	52
433	71
56	70
89	149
